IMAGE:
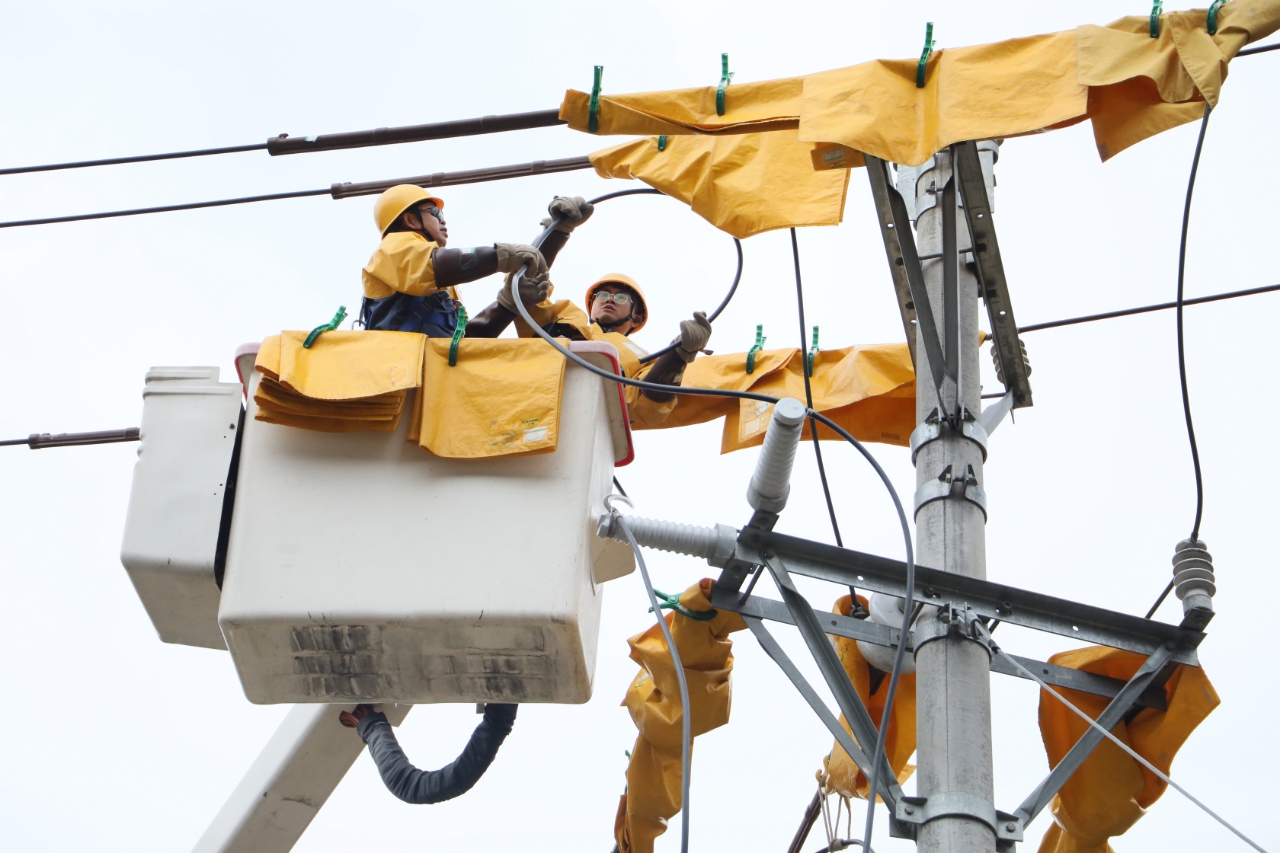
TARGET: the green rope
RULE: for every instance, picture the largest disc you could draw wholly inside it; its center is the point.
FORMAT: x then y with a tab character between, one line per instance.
759	345
327	327
672	602
458	334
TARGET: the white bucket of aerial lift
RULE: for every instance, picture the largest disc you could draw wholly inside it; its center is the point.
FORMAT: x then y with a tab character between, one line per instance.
362	568
175	506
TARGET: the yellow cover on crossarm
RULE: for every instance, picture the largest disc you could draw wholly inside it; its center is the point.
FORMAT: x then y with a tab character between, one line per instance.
502	398
654	774
744	184
1110	791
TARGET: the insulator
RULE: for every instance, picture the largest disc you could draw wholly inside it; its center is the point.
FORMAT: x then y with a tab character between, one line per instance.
663	535
771	482
995	357
1193	575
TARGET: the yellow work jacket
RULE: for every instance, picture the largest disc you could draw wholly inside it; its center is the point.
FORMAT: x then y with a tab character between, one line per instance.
642	410
403	263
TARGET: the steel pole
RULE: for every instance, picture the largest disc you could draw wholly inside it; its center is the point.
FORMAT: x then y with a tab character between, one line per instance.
953	689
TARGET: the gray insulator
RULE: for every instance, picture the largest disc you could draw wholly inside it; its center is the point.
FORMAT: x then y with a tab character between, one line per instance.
771	483
995	357
663	535
1193	575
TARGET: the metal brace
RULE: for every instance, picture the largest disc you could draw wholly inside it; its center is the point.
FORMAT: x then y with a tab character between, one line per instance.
948	485
918	811
930	429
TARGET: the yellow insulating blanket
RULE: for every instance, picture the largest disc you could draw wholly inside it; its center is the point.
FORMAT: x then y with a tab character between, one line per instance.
502	398
869	390
744	185
346	382
1130	85
654	774
1110	791
843	776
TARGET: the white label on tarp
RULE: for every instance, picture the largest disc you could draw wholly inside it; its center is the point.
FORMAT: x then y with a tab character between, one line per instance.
532	435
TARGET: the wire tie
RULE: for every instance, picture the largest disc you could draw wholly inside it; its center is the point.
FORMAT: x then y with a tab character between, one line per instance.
924	55
327	327
662	143
1156	9
1211	19
458	335
725	77
672	602
811	354
593	115
759	345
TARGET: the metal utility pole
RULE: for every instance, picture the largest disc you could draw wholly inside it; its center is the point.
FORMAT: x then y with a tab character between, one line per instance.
953	684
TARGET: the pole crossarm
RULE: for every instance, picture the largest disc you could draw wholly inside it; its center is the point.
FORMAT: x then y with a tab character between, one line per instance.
988	600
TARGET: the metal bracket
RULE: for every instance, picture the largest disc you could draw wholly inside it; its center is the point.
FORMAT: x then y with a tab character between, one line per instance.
948	621
930	429
918	811
950	485
993	415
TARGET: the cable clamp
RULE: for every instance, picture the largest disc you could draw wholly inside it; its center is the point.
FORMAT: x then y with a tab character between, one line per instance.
759	345
950	485
930	430
1211	19
811	354
593	113
458	334
338	317
947	621
918	811
672	602
725	76
923	64
1154	27
662	143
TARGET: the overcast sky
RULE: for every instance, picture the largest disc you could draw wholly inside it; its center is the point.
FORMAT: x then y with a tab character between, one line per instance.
117	742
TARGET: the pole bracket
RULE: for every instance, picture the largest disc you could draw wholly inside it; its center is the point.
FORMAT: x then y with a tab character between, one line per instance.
947	621
952	485
917	811
930	430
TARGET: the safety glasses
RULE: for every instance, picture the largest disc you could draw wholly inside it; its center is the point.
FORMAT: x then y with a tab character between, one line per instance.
617	298
429	210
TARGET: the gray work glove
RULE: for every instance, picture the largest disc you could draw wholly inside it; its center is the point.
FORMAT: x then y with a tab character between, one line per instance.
694	336
513	256
572	211
533	289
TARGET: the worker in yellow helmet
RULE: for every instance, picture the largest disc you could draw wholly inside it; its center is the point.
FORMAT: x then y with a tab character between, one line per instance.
616	309
409	283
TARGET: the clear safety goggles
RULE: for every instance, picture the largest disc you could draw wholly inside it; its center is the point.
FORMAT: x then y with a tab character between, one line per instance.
617	298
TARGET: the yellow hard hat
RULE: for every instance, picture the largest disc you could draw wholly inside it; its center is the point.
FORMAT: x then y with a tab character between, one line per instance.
397	200
625	281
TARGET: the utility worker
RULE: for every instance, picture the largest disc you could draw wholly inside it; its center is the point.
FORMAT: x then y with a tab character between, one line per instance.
410	282
431	786
616	307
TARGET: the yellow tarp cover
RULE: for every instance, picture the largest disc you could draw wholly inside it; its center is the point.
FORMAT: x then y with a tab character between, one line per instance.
843	776
654	774
1110	791
743	185
502	398
869	390
1130	85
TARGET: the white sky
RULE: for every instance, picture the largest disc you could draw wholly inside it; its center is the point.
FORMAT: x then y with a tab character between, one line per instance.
117	742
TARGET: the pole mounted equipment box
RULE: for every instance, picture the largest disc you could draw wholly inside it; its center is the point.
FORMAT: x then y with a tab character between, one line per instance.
362	568
189	425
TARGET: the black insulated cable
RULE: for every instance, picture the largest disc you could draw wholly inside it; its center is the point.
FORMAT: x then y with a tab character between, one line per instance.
711	318
1146	309
41	440
141	158
1250	51
286	144
169	208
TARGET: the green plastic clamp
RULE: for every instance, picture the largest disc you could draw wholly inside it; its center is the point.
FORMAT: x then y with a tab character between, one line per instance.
458	334
924	55
811	354
338	317
662	143
725	76
1211	20
672	602
593	117
759	345
1156	9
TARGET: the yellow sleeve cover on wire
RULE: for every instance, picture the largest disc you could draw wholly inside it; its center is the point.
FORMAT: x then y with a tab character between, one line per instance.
1130	85
653	776
843	776
1110	791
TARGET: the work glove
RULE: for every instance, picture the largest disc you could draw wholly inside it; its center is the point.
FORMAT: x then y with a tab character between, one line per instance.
572	211
513	256
533	289
351	719
694	335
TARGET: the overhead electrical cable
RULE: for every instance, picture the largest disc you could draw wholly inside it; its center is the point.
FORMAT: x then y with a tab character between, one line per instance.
1161	306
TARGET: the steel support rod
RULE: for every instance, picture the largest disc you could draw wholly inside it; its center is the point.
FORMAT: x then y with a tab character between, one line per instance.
953	682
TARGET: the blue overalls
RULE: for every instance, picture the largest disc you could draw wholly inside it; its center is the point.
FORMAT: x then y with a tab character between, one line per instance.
435	316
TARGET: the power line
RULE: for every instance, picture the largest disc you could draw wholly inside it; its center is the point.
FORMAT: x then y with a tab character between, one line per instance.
1161	306
141	158
1250	51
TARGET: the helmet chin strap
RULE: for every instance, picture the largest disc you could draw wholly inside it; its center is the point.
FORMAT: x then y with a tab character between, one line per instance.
609	327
